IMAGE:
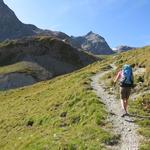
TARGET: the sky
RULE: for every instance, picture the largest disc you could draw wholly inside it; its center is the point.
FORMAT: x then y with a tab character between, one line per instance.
120	22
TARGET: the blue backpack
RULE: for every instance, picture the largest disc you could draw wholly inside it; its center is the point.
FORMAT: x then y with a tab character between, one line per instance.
127	76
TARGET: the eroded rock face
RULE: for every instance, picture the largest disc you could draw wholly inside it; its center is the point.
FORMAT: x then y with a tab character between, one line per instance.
14	80
30	74
52	54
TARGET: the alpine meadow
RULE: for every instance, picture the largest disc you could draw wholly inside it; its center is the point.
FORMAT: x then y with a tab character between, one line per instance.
60	91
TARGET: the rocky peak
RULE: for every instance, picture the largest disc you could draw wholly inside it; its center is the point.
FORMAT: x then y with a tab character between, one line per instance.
1	2
89	33
92	42
10	26
91	36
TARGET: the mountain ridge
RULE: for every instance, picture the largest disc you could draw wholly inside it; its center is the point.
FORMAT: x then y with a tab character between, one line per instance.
12	28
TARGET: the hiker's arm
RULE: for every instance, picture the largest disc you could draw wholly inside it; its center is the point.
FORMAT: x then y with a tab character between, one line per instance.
117	77
134	85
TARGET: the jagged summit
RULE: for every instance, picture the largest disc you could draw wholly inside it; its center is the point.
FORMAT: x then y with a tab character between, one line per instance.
92	33
93	43
89	33
94	36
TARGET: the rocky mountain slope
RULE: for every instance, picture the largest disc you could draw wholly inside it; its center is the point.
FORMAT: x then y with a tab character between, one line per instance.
11	28
51	54
123	48
93	43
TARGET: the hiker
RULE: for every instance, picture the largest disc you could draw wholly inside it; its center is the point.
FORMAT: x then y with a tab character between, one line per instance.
125	76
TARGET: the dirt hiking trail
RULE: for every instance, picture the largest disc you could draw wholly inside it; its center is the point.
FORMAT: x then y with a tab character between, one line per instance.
124	126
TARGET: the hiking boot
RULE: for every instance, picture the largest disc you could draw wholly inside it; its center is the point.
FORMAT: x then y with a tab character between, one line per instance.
125	114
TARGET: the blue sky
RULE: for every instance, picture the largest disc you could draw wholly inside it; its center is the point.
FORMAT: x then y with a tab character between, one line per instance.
120	22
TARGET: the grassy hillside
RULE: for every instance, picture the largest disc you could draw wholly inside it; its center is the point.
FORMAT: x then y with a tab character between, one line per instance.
140	107
62	113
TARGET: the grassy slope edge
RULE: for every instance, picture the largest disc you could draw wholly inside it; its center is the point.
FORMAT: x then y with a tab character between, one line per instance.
62	113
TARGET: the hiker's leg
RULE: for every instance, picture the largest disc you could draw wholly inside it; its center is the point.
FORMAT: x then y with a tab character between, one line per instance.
122	96
125	105
128	91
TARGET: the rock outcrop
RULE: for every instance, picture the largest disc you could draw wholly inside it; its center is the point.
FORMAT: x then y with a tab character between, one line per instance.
25	73
54	55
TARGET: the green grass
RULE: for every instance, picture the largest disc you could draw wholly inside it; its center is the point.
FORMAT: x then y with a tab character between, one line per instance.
141	110
63	113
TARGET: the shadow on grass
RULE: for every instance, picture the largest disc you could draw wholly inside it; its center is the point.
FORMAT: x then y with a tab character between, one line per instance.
130	121
136	117
139	116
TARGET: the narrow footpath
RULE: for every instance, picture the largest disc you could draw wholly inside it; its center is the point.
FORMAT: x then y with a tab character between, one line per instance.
124	126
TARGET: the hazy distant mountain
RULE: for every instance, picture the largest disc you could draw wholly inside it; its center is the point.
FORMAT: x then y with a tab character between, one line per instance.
123	48
92	42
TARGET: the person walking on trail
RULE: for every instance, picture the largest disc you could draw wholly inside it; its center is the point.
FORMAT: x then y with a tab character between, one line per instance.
125	76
